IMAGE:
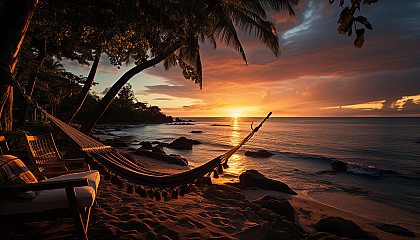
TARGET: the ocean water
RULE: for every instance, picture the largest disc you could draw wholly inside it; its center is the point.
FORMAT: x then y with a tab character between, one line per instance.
382	180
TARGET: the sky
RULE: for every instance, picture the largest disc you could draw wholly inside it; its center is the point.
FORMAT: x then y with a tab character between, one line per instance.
319	72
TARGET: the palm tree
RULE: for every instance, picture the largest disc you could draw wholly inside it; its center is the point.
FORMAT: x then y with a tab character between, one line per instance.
195	21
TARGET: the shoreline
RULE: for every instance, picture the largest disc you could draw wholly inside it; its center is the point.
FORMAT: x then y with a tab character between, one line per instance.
301	203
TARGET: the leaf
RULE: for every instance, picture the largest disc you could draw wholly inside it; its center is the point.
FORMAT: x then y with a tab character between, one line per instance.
331	1
360	39
341	3
360	32
350	32
364	21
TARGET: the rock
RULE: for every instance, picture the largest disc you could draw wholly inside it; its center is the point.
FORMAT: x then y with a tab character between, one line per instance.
196	131
322	236
259	231
130	157
394	229
173	158
146	145
252	178
277	204
116	143
162	145
339	166
224	193
278	235
343	228
158	150
259	154
268	215
183	143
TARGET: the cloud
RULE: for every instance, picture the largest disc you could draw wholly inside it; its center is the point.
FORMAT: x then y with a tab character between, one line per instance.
163	99
318	67
266	98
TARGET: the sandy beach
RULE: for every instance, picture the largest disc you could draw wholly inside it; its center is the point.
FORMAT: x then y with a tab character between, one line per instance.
219	211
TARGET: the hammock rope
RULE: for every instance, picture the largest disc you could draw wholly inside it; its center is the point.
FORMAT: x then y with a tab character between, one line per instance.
107	159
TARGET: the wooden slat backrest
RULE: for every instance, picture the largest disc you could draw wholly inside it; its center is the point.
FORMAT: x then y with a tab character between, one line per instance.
42	149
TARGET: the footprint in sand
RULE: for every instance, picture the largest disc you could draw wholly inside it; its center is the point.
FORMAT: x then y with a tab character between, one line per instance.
124	210
186	222
220	221
215	234
189	223
169	212
203	214
150	223
194	236
163	232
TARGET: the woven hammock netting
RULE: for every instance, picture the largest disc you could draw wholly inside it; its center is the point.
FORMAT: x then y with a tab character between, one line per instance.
124	173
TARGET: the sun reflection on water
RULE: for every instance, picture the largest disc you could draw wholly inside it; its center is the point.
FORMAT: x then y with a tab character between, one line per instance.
235	163
234	135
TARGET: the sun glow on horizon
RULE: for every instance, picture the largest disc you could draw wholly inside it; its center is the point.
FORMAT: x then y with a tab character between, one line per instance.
235	115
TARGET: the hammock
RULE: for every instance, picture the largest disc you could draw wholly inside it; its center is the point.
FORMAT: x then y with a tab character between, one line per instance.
107	159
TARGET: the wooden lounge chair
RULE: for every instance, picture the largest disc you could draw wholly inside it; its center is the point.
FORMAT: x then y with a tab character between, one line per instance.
46	159
63	196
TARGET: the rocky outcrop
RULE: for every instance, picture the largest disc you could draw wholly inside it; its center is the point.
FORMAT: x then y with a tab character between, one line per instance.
183	143
278	205
394	229
130	157
146	145
259	154
116	143
252	178
343	228
172	158
322	236
339	166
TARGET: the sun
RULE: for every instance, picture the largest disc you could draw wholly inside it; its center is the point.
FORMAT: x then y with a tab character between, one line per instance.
235	115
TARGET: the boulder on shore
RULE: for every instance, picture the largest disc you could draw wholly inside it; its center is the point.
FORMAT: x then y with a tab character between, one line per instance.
259	154
253	178
146	145
172	158
343	228
196	131
116	143
395	229
183	143
277	204
339	166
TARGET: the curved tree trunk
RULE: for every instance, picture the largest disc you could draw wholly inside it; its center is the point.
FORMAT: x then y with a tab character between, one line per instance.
85	91
15	17
93	118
